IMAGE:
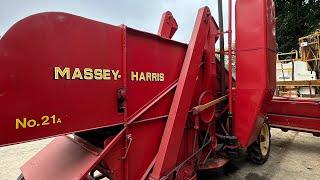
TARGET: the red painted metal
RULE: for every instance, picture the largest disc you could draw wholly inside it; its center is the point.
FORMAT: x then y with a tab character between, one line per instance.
297	123
169	148
168	25
119	49
295	107
218	162
28	89
255	66
128	126
31	49
63	158
230	79
295	114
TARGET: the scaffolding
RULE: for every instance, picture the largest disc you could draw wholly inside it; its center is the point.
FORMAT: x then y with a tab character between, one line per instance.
309	52
310	47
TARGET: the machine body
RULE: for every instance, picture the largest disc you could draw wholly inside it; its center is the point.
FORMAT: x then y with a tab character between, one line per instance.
139	105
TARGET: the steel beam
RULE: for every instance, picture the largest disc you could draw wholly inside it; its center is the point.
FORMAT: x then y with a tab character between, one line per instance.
170	144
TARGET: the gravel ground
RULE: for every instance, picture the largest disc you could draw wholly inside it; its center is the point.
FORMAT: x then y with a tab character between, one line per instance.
293	156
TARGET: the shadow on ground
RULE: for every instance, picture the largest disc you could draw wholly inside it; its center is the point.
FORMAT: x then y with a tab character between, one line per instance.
293	155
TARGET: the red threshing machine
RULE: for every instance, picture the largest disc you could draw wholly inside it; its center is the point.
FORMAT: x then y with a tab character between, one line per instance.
139	105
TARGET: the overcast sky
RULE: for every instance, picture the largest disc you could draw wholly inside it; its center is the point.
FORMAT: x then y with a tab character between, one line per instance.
139	14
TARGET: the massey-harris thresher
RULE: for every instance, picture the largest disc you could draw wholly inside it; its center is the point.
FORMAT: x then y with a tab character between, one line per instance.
139	105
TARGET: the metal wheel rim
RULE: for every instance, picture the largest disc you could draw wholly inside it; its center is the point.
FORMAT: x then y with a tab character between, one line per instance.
264	139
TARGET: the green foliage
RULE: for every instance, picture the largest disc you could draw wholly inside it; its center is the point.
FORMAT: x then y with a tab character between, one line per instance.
295	19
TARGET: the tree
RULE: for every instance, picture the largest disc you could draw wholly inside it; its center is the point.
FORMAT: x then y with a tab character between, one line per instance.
295	19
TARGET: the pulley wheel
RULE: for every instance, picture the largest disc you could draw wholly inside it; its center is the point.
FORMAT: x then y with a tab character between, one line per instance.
207	115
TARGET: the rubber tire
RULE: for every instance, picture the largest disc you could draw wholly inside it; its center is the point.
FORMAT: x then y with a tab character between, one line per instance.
254	152
20	177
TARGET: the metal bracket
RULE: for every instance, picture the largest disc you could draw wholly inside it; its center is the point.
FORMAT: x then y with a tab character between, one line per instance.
128	138
121	98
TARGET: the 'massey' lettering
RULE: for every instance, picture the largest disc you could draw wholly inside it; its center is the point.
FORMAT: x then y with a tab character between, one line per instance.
86	74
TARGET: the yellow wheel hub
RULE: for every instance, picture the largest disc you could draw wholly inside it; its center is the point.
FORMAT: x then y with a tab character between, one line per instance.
264	139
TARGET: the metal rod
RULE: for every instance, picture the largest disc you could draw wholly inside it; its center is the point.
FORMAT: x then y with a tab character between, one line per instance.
292	61
222	61
230	64
185	161
230	55
203	107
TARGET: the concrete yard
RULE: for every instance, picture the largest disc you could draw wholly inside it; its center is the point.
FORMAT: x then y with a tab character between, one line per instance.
293	156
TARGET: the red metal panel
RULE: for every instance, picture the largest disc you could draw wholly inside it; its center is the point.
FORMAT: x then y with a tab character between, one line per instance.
63	158
255	65
295	107
146	139
298	123
145	55
30	91
298	114
31	49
